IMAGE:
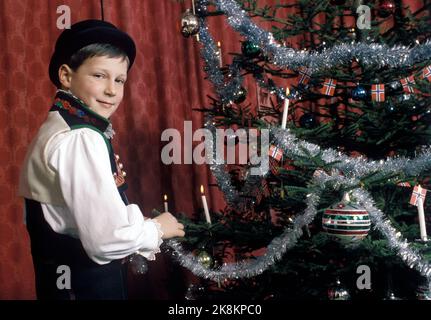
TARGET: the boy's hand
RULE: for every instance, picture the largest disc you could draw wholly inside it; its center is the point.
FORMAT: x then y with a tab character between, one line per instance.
170	226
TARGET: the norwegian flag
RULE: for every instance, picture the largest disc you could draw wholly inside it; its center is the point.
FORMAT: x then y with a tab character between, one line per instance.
426	73
407	84
304	75
329	87
378	92
275	152
404	184
418	193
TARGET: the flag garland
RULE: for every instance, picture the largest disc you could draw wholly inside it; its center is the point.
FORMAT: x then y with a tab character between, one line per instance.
418	193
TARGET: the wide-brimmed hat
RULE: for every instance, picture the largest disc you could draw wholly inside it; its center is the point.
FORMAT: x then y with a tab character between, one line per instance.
82	34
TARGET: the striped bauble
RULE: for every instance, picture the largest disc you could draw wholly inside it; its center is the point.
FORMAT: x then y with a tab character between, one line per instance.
346	221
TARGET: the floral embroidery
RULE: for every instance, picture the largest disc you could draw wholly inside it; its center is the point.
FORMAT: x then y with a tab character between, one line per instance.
63	104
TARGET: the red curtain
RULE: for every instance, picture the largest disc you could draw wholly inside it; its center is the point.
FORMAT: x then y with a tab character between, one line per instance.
165	84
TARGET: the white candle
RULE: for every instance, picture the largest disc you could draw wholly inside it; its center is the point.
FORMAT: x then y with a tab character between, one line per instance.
286	110
421	214
205	205
165	203
220	59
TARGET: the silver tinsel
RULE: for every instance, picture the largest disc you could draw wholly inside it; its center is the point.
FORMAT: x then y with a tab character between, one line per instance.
374	54
279	245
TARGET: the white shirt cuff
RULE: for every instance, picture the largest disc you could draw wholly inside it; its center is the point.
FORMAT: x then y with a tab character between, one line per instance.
151	254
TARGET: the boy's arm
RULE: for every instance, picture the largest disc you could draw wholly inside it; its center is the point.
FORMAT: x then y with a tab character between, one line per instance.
107	228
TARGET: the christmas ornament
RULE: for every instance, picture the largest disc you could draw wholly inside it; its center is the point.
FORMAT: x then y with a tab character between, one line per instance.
386	8
338	292
189	24
407	84
138	264
378	92
346	221
395	85
328	88
359	93
304	75
205	259
308	121
426	73
250	49
275	153
240	95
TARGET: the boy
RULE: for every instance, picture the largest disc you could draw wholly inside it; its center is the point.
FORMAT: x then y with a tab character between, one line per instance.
77	213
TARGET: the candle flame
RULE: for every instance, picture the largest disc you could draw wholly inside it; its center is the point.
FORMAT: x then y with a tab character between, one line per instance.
219	44
202	189
287	91
165	197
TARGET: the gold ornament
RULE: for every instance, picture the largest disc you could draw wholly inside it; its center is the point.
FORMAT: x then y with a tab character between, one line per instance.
205	259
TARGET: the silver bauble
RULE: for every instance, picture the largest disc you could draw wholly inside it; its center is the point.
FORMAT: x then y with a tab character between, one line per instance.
189	24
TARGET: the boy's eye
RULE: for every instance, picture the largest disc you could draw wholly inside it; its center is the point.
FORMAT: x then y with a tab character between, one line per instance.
98	75
121	81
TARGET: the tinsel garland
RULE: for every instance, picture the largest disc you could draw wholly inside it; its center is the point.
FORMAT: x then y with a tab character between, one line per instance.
294	148
279	245
352	168
370	54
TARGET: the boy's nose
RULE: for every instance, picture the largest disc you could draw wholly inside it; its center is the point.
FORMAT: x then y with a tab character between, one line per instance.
110	89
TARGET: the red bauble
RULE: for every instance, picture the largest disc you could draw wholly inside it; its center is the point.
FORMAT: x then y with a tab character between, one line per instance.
386	8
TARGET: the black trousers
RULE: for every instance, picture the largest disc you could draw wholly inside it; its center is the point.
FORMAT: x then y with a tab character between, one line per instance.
54	255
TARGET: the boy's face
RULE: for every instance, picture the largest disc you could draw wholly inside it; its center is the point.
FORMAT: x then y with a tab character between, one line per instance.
99	82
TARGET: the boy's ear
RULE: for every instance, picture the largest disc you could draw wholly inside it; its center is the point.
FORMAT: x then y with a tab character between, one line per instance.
65	75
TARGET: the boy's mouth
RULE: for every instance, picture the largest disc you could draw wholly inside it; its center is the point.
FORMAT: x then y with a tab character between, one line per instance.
105	104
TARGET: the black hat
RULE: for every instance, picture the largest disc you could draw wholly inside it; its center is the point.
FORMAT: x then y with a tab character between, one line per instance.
82	34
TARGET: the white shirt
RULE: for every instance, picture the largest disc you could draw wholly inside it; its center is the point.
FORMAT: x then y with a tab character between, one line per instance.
94	211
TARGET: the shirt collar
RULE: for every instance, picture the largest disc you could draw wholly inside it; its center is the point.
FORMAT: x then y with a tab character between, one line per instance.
76	107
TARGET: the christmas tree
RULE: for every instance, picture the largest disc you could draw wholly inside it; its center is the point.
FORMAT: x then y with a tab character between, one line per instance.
343	106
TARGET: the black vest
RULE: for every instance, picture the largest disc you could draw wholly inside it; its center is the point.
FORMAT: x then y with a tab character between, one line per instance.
50	250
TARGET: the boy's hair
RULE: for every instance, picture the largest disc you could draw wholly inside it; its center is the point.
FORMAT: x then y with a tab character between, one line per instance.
96	50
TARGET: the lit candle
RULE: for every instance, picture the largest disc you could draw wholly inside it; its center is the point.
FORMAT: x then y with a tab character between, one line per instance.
220	59
286	110
205	204
421	214
165	203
